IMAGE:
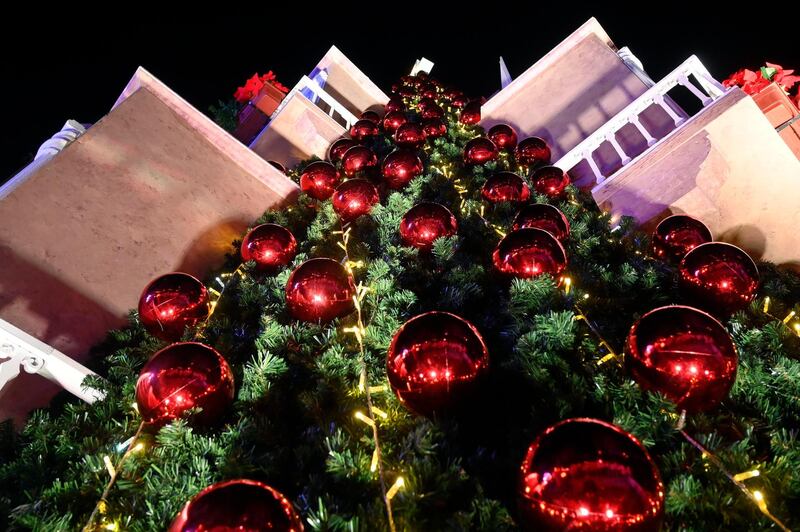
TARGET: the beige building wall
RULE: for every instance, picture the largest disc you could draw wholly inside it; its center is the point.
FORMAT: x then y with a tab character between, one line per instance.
152	187
349	85
728	167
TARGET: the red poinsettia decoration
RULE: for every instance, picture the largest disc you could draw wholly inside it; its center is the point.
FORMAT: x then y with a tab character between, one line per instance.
753	82
254	85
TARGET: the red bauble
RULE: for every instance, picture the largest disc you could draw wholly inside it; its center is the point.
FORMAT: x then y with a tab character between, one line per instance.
400	167
337	149
433	111
550	181
425	103
278	165
532	150
459	100
409	135
720	277
363	129
528	253
424	223
429	91
171	303
320	290
504	137
434	360
358	159
471	113
353	198
371	115
406	91
543	216
393	120
505	186
395	103
480	150
434	128
319	179
238	505
271	246
683	353
182	377
586	474
677	235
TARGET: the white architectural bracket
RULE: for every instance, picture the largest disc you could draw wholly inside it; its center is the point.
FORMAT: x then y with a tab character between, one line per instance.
319	93
422	65
19	350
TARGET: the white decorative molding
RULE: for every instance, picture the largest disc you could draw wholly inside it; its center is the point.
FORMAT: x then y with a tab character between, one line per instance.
422	65
505	75
335	108
711	91
635	65
71	131
19	350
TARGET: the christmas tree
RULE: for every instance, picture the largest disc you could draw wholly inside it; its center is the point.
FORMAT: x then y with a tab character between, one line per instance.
471	298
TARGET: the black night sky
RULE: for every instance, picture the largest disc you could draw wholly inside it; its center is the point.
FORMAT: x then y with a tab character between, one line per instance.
73	62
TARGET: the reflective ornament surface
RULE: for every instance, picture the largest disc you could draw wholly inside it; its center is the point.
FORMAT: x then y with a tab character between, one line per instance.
363	129
677	235
505	186
181	377
586	474
719	277
238	506
480	150
319	179
543	216
400	167
434	128
410	135
354	198
358	159
550	181
424	223
320	290
532	151
171	303
471	113
683	353
393	120
271	246
337	149
434	360
530	252
503	136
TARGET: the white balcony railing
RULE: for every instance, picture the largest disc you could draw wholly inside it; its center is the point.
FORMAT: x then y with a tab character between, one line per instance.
711	91
345	117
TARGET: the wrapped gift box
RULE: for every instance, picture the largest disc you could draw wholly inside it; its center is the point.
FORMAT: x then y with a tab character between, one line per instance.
779	109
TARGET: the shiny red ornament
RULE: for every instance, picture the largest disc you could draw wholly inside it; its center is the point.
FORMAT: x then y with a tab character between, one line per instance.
409	135
480	150
505	186
358	159
353	198
435	360
471	113
720	277
543	216
363	129
429	91
504	137
393	120
677	235
278	165
271	246
395	103
423	223
238	505
337	149
406	91
683	353
371	115
550	181
400	167
319	179
532	151
451	93
171	303
434	128
320	290
459	101
528	253
182	377
432	112
425	103
586	474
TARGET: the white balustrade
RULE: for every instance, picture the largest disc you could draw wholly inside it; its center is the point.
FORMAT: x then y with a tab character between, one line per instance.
19	350
319	93
711	91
